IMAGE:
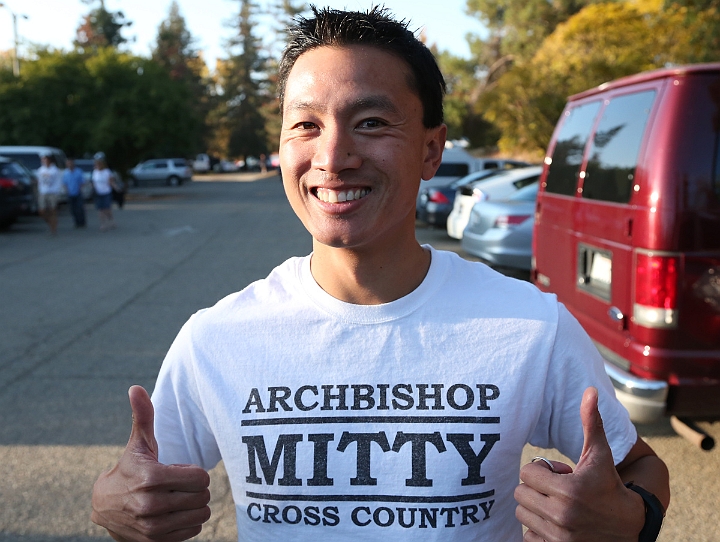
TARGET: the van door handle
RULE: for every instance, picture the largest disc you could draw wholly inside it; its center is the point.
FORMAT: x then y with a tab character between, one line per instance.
615	314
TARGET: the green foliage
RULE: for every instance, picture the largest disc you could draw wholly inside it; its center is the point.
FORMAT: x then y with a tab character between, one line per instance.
101	28
601	43
126	106
237	120
175	52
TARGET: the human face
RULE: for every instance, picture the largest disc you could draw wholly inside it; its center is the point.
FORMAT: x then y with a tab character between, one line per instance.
353	147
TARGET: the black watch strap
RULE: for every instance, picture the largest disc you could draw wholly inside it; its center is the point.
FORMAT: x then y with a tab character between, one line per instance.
654	514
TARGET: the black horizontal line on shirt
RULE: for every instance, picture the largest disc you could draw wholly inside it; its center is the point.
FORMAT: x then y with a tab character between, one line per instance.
373	498
371	419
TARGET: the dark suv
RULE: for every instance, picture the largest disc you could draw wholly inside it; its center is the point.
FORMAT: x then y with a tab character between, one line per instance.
627	234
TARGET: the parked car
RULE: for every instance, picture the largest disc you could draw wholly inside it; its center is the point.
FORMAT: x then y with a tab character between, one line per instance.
30	156
500	231
170	171
435	203
204	163
226	166
17	191
498	186
627	234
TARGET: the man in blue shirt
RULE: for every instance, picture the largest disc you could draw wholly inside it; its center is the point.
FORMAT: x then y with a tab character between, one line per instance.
73	180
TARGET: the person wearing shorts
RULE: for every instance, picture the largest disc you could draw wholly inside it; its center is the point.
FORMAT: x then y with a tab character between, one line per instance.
49	187
103	182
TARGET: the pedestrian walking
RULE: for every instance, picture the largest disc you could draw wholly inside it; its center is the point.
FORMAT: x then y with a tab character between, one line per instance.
74	180
49	189
103	182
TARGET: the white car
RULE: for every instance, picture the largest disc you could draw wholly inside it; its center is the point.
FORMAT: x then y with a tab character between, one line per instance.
496	187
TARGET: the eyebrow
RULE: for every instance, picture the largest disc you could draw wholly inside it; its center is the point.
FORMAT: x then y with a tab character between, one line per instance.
378	101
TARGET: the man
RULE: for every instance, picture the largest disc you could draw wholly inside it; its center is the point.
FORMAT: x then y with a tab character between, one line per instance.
73	180
378	387
49	188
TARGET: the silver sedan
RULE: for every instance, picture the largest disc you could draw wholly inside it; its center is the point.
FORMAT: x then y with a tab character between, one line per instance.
500	232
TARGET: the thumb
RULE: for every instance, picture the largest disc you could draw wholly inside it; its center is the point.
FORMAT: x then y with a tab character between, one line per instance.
596	450
142	436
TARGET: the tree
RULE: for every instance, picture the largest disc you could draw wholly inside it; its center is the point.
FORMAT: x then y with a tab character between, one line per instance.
593	47
126	106
242	77
174	51
101	28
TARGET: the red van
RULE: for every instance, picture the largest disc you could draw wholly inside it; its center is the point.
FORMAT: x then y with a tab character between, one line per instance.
627	234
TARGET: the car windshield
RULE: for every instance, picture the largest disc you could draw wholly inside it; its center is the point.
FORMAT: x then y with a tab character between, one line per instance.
30	160
526	193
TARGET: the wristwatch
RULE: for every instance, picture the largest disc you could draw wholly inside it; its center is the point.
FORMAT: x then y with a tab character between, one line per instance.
654	514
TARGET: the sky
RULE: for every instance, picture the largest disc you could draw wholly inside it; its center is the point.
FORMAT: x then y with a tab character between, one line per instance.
54	22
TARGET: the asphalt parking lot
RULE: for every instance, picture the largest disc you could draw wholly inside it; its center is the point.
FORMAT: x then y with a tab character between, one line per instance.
86	314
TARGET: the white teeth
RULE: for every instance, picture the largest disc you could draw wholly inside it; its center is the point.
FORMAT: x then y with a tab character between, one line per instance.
334	196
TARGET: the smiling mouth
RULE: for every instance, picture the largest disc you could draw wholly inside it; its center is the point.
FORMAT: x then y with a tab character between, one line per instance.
340	196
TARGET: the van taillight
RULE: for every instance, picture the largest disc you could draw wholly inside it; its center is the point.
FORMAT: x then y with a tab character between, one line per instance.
656	284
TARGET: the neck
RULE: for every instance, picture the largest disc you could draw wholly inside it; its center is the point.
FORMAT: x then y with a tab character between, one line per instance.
365	277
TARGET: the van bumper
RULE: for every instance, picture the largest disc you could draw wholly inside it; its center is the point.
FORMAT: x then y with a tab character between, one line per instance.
645	400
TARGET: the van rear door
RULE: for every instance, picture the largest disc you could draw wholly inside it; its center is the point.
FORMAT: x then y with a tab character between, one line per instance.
604	215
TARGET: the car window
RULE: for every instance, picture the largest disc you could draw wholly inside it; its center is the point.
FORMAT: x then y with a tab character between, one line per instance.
452	169
526	193
568	154
490	165
179	163
525	181
613	156
59	160
85	166
30	160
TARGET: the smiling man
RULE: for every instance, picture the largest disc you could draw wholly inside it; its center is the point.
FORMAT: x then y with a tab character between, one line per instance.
378	387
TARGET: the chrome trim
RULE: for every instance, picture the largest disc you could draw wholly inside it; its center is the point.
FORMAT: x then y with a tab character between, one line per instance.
654	390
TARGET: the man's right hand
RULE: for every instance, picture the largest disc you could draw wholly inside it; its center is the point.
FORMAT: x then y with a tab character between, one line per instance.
141	499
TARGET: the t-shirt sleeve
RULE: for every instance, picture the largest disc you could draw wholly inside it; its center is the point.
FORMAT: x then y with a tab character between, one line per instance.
576	365
181	427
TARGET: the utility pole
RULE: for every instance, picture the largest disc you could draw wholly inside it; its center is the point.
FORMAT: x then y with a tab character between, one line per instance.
16	58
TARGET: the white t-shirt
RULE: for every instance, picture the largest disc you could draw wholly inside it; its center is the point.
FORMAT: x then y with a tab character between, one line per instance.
49	179
350	422
101	181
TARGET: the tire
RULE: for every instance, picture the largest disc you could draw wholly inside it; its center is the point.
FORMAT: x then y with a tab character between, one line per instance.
174	180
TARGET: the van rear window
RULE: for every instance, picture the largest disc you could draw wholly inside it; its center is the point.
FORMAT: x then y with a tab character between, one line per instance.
568	154
452	169
610	172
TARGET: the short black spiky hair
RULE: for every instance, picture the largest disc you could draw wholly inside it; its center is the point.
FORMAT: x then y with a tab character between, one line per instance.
376	28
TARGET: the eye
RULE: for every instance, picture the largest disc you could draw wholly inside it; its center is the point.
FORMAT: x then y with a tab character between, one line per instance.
372	123
305	126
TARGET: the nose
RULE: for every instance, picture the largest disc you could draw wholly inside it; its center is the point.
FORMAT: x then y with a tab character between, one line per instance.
336	150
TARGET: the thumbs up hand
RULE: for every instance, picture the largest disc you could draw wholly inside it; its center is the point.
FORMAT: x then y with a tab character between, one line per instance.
587	504
141	499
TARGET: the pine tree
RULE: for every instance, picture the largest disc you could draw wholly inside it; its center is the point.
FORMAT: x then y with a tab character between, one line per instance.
174	50
101	28
242	78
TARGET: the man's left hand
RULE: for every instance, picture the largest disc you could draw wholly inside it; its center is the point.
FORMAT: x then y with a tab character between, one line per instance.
588	504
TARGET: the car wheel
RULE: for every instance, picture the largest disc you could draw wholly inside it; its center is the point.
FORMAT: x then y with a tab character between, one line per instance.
173	180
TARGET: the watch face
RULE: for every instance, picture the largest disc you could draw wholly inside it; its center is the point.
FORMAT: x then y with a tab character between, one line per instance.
654	514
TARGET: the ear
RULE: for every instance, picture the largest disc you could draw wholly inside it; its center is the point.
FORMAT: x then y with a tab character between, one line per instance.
434	146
